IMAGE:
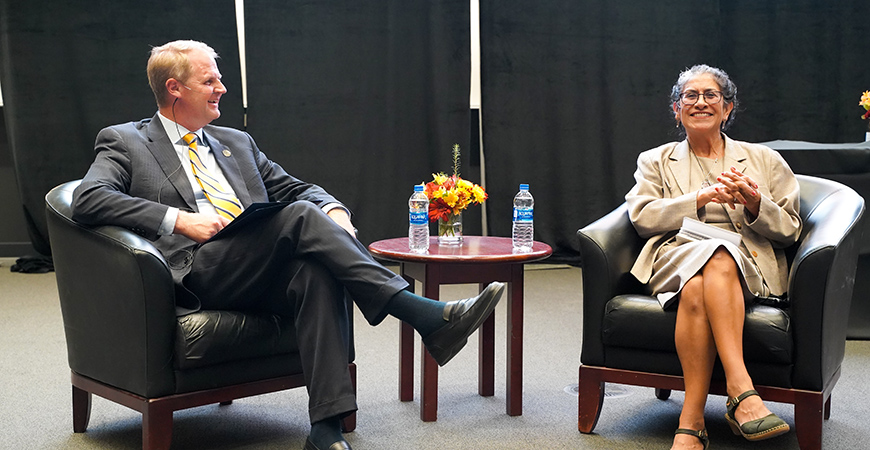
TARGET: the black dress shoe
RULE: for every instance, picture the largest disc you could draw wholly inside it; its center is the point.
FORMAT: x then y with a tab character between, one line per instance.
463	318
338	445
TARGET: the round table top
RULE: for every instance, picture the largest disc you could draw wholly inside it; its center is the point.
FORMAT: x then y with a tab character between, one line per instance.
474	249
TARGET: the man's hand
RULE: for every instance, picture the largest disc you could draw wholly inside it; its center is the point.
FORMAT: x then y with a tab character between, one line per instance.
340	216
199	227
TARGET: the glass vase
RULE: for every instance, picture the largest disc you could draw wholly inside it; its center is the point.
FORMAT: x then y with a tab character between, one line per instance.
450	230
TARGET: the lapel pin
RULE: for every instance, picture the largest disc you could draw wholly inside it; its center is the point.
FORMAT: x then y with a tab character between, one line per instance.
227	152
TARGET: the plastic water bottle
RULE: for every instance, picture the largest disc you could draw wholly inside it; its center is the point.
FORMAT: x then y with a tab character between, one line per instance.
418	217
523	234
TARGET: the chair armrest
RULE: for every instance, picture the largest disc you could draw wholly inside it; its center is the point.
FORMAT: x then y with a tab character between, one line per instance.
822	278
608	249
117	299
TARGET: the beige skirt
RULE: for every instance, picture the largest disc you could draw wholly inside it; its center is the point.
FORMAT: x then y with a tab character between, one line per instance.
676	264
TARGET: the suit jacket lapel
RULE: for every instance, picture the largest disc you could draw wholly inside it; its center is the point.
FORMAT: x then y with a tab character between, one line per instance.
225	159
735	156
164	152
680	166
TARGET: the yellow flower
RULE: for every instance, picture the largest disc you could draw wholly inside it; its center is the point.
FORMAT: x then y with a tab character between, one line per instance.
440	193
439	178
479	194
451	198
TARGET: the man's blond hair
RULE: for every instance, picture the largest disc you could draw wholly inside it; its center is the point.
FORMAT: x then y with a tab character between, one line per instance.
171	60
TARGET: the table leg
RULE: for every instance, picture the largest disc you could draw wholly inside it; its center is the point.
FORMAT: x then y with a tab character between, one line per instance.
514	377
406	353
486	356
406	362
428	387
428	366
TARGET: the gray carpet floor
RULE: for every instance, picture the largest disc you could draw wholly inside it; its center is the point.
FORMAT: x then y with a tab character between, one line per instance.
35	410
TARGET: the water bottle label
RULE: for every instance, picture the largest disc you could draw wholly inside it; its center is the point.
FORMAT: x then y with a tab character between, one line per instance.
419	218
524	214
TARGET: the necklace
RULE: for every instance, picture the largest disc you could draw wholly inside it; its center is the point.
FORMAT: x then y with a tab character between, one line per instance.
709	173
707	182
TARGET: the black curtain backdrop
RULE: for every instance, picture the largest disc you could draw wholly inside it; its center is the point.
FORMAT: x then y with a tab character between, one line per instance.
573	91
70	68
365	99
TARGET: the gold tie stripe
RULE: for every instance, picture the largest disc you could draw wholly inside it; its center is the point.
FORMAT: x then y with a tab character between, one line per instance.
225	202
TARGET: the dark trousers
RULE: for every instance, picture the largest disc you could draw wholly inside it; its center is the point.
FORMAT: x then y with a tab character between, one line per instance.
297	260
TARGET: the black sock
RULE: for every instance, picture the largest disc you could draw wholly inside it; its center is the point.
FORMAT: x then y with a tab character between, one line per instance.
425	315
326	432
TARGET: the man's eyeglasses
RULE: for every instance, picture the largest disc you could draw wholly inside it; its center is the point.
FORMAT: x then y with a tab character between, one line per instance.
689	98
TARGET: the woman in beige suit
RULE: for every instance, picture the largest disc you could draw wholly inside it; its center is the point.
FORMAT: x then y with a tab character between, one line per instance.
737	186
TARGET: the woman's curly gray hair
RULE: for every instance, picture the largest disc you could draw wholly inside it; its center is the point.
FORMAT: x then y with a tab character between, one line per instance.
728	88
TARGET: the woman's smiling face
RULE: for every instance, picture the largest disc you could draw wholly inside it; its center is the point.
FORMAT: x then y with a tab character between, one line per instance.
702	117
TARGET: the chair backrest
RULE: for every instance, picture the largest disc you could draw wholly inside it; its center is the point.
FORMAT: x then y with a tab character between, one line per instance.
830	211
59	205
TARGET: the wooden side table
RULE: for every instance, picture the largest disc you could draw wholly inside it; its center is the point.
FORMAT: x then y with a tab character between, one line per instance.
479	260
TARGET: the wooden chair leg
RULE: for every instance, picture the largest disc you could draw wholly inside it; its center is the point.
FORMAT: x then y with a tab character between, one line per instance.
156	427
590	397
809	410
81	403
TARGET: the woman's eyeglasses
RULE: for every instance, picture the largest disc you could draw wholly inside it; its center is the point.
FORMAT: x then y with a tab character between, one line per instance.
689	98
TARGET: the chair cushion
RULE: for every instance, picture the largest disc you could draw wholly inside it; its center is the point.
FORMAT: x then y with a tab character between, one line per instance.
639	322
211	337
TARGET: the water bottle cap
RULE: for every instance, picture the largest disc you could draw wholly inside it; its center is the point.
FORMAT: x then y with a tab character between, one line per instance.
524	187
419	188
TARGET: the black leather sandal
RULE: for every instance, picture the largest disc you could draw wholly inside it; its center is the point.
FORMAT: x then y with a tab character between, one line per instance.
702	435
754	430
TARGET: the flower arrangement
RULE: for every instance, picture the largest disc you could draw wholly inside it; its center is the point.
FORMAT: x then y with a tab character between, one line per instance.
449	196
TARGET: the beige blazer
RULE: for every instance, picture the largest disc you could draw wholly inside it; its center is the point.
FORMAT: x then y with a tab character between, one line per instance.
662	196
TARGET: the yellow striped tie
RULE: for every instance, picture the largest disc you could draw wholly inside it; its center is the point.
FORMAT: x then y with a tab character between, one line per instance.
224	201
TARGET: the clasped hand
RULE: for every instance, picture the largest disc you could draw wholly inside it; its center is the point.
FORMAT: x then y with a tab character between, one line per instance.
733	187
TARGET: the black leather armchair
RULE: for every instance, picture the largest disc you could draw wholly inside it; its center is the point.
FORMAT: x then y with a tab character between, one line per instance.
793	354
126	344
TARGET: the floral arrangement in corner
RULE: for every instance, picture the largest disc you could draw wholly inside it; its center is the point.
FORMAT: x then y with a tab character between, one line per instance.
450	195
865	102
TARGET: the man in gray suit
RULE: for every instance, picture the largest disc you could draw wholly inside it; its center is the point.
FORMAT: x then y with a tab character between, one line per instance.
240	233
